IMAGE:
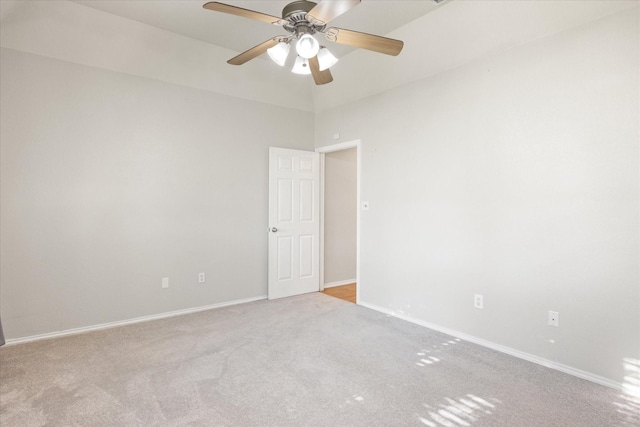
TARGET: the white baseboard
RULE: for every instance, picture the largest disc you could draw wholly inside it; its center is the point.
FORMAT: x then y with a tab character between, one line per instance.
503	349
339	283
130	321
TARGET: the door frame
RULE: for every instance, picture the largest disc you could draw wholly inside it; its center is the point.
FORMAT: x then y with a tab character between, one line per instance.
357	144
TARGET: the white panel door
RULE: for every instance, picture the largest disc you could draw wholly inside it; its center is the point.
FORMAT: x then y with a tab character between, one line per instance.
294	222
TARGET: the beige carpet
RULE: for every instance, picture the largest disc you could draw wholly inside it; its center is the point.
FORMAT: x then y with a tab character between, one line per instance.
310	360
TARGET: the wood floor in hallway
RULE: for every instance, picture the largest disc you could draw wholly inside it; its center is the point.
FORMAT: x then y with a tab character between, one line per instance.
345	292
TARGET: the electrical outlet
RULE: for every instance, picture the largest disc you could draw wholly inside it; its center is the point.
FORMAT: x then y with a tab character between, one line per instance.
554	318
201	278
478	301
165	282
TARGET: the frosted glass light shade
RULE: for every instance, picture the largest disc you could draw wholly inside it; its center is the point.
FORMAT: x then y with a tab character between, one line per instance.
326	59
307	46
279	53
301	66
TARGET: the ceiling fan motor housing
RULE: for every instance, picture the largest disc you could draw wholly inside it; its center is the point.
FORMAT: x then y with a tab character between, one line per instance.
295	13
297	7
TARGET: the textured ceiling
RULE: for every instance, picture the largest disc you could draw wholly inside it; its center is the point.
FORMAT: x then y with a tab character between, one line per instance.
188	18
182	43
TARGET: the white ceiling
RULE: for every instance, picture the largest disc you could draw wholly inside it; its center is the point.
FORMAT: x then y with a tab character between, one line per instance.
188	18
181	43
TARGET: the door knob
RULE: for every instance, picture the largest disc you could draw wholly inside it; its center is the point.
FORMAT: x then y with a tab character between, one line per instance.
273	229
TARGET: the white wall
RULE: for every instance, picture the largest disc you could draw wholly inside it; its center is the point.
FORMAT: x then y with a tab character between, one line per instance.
340	216
516	177
110	182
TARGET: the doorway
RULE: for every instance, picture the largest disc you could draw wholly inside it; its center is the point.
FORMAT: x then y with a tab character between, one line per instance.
339	220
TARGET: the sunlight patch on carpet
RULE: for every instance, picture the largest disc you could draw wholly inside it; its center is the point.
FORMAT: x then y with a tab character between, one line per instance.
463	411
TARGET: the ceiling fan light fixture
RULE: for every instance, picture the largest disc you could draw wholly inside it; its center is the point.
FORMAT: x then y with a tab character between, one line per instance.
326	59
302	20
279	53
301	66
307	46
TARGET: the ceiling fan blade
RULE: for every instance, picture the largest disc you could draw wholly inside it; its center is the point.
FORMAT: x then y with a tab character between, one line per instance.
254	51
245	13
365	41
320	77
326	10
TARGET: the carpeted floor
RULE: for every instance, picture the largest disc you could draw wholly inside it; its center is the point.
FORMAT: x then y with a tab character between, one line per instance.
310	360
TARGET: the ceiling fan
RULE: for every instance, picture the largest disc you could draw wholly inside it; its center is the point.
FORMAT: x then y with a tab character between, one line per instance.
302	19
